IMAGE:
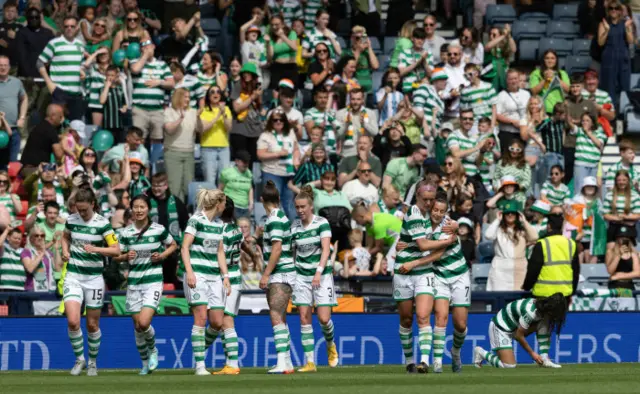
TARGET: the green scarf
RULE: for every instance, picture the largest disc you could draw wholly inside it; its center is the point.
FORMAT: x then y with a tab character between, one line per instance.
139	186
284	143
172	214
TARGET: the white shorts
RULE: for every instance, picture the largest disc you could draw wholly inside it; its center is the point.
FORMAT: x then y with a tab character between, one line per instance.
148	297
457	293
232	301
207	292
91	292
408	287
305	295
499	339
287	278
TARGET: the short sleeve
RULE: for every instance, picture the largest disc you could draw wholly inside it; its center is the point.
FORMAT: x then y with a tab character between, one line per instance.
607	202
635	202
166	73
224	177
325	230
262	143
192	227
25	254
414	224
275	229
535	78
170	115
452	141
166	238
391	169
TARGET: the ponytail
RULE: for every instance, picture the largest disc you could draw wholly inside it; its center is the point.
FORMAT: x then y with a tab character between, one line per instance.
208	199
270	194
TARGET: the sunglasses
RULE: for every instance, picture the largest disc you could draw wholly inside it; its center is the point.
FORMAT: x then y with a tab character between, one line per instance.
555	173
614	8
515	149
467	118
322	51
4	182
278	120
449	164
430	24
453	54
364	171
90	154
132	19
33	17
100	25
36	236
214	91
69	26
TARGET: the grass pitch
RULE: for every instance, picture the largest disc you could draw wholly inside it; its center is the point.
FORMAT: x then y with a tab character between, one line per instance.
583	379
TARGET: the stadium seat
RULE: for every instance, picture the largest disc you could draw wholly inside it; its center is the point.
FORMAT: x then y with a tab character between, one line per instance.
377	80
561	46
535	17
169	287
343	43
375	45
259	214
595	275
24	210
193	190
631	117
343	27
389	44
527	29
207	10
499	14
582	47
528	50
565	12
577	64
14	169
485	252
480	274
211	26
384	61
562	29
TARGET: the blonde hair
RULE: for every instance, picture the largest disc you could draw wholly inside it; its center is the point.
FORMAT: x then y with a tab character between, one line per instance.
355	237
358	29
243	219
407	29
177	97
388	190
107	28
208	199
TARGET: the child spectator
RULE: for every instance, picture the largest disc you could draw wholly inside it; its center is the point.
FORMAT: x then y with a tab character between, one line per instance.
539	212
588	197
506	193
590	141
315	137
554	190
486	160
464	210
467	239
71	142
85	35
388	97
139	183
359	254
627	156
12	274
252	49
112	98
440	143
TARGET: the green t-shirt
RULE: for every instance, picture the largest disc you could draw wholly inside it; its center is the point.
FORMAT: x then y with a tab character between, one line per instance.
555	95
385	226
401	44
402	176
363	70
91	48
237	185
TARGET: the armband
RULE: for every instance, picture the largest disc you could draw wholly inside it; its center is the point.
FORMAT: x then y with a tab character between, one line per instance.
111	239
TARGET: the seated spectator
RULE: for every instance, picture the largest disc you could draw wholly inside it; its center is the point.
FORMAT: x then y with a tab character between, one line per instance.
510	233
621	206
43	141
389	202
312	168
357	261
237	184
348	166
388	97
627	151
549	81
355	121
392	143
9	200
327	196
12	273
554	190
36	213
134	140
499	52
139	183
366	59
361	189
39	263
403	172
403	42
623	263
513	164
323	68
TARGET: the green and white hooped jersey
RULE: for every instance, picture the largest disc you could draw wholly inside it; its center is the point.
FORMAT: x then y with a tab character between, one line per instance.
278	228
310	11
331	125
231	242
146	98
587	153
307	244
519	313
601	97
426	97
195	88
634	202
7	202
415	226
480	99
12	273
204	250
464	142
82	265
290	11
556	195
94	85
142	271
406	59
65	59
452	265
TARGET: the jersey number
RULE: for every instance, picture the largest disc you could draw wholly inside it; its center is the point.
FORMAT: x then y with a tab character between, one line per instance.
330	289
466	291
97	295
156	295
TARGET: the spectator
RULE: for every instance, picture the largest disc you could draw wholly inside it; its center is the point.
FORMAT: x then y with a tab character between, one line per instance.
478	96
282	47
615	34
535	149
321	115
588	18
627	150
115	156
591	200
52	226
114	16
321	34
514	165
322	68
71	142
39	263
472	49
433	42
147	17
549	81
576	107
234	80
100	36
115	102
621	206
403	172
355	121
361	189
510	233
95	68
465	146
237	184
302	63
278	152
247	108
392	143
455	79
463	205
411	118
590	141
210	72
177	46
46	21
190	83
511	109
12	273
8	199
43	141
315	163
460	184
289	10
398	13
139	183
428	100
327	195
253	49
133	32
151	78
4	152
499	53
554	191
9	28
64	56
45	192
623	263
357	260
367	13
181	124
389	202
414	63
347	169
404	42
343	82
286	101
214	142
388	96
366	59
601	98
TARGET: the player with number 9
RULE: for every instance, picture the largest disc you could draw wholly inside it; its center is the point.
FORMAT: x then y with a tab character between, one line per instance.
144	245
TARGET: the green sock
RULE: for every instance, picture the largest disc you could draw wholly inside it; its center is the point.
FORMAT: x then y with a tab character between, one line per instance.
210	337
141	344
77	343
439	337
94	339
150	339
544	341
493	360
231	347
425	337
327	331
197	344
308	342
406	340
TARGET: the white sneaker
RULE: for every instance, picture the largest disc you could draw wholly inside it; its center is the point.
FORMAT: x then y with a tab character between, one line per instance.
92	370
202	371
78	367
547	363
281	370
437	366
477	357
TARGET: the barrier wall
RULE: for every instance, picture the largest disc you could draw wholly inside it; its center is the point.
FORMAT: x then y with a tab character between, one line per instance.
42	343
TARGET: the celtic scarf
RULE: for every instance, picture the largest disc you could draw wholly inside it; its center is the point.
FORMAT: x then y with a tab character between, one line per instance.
172	214
364	117
285	143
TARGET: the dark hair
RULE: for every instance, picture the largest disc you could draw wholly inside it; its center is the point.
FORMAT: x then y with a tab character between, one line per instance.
557	167
119	193
554	309
287	92
94	166
207	97
342	63
51	204
215	57
518	162
385	76
555	222
419	34
441	197
475	36
158	175
548	51
306	193
466	111
147	201
69	17
228	215
415	147
518	228
13	231
320	12
135	130
270	193
594	121
86	195
9	4
285	29
444	48
286	127
485	120
559	108
319	90
577	78
113	67
234	58
33	9
176	66
461	199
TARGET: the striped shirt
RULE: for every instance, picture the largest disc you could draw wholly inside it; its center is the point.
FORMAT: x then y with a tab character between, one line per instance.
95	84
307	243
142	271
452	265
314	37
195	88
480	99
556	195
112	116
426	98
600	96
146	98
587	153
331	125
415	226
65	61
310	171
204	250
464	142
12	273
7	202
310	11
231	241
290	10
520	313
406	59
83	265
552	133
207	81
610	176
277	228
621	203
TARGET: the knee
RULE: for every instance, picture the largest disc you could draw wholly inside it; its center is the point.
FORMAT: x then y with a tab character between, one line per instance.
406	321
73	324
324	319
92	326
441	320
422	321
143	325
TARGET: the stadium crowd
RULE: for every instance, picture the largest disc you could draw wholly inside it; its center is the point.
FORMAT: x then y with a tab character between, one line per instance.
129	97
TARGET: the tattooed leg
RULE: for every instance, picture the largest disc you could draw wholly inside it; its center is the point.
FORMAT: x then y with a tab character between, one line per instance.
278	298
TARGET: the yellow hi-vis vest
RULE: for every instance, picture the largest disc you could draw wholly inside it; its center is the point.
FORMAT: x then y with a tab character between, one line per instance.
556	275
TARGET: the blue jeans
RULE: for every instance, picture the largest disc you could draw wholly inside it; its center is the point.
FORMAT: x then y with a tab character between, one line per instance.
286	195
14	145
543	168
156	154
214	160
579	173
242	213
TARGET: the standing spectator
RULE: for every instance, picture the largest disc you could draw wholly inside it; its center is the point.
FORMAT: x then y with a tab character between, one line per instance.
322	68
321	115
234	81
282	47
428	100
179	43
210	74
614	36
321	34
455	80
151	79
278	151
13	107
10	201
601	98
478	96
310	10
114	15
43	141
399	12
511	109
133	32
114	102
367	13
100	36
247	109
289	10
315	164
51	225
46	21
479	11
285	103
327	195
514	165
181	124
366	59
39	263
214	142
552	131
549	81
499	52
361	188
433	42
589	18
348	166
253	49
12	273
627	150
465	146
510	233
403	172
392	143
590	142
388	96
148	18
415	63
576	107
95	68
403	42
64	56
9	28
237	184
355	121
535	147
621	205
472	49
190	83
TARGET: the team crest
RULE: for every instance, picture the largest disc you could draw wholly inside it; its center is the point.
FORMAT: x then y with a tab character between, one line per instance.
152	239
93	231
196	296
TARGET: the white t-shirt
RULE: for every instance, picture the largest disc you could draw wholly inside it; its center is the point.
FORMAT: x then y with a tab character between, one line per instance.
513	106
294	116
356	191
469	55
433	47
455	79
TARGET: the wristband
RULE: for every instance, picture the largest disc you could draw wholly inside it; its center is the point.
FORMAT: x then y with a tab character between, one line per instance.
319	270
226	276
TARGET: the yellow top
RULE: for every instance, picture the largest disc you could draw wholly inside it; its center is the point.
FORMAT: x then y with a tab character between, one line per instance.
216	136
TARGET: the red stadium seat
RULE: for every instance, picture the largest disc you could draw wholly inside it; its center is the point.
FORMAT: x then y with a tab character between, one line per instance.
14	169
25	209
169	287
